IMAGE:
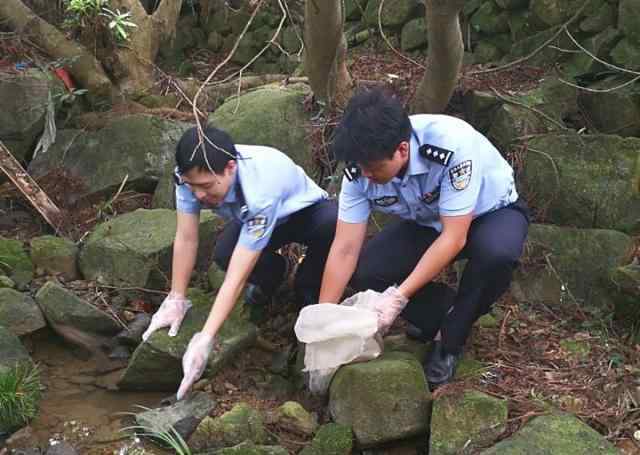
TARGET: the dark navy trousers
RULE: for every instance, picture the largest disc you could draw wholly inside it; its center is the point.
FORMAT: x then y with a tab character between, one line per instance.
494	245
313	226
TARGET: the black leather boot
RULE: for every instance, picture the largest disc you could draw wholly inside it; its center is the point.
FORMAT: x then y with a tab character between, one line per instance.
440	366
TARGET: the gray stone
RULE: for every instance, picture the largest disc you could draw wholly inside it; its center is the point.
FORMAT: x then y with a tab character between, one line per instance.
585	180
55	255
215	41
331	439
136	146
462	423
132	335
547	13
599	45
294	417
554	434
242	423
15	262
489	19
24	98
394	14
381	400
520	26
61	448
626	54
486	52
629	19
248	448
353	9
12	352
532	41
601	19
62	307
183	416
19	313
273	116
157	363
135	249
512	4
613	112
414	34
480	108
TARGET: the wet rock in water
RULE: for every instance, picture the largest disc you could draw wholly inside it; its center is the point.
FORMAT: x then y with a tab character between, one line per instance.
294	417
240	424
460	423
132	335
135	249
331	439
19	312
55	255
183	416
15	262
62	306
381	400
157	363
61	448
248	448
554	434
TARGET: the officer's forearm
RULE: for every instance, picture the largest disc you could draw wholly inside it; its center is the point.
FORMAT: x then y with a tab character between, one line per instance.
240	267
184	259
337	273
433	261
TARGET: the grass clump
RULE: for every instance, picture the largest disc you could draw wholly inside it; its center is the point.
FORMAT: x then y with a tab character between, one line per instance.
19	395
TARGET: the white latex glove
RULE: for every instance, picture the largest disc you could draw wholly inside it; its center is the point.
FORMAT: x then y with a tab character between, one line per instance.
194	361
171	313
388	306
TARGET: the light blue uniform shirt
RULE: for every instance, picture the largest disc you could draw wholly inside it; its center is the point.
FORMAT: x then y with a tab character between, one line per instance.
459	172
268	187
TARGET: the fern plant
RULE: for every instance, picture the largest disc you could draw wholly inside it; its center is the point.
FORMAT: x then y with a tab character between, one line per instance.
19	395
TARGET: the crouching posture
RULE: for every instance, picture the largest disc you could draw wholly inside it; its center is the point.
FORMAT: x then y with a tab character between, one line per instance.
268	201
455	198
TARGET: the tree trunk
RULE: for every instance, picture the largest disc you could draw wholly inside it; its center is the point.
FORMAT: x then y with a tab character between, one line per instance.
137	56
325	52
87	71
444	59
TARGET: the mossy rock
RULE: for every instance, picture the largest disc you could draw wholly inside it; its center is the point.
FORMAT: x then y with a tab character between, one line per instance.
55	255
629	20
490	20
12	352
603	17
480	108
381	400
548	13
295	417
331	439
6	282
582	63
557	435
414	34
19	312
394	14
462	423
15	262
242	423
248	448
486	52
626	54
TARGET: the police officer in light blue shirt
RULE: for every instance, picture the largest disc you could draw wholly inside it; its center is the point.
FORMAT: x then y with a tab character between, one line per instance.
268	201
455	197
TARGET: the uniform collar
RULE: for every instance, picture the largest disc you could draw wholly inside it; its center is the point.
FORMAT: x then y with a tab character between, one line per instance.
417	165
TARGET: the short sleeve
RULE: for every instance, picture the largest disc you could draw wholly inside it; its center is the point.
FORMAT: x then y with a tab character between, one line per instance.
257	229
186	202
460	187
353	207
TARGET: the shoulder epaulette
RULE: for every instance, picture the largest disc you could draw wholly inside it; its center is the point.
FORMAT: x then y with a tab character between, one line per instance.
435	154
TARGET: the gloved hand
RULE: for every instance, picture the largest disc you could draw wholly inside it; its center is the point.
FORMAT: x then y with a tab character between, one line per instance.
171	313
194	360
388	306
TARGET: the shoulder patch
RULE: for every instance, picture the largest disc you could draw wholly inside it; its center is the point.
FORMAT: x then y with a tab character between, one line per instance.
256	226
385	201
460	175
435	154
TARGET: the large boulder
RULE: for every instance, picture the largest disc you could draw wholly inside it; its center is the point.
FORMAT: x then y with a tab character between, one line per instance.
600	45
414	34
548	13
55	255
613	112
24	98
586	181
480	108
136	147
157	363
19	313
135	249
242	423
331	439
381	400
460	423
62	307
12	352
554	434
15	262
577	265
271	115
629	19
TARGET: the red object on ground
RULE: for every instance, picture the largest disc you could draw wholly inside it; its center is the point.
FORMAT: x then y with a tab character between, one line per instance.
65	77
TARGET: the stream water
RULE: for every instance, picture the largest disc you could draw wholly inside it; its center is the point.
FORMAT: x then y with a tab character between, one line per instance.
81	405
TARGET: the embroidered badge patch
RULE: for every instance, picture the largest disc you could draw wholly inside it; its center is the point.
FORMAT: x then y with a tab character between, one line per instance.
428	198
436	154
460	175
257	225
385	201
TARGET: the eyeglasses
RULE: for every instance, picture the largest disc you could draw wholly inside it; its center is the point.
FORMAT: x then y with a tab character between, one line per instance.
352	171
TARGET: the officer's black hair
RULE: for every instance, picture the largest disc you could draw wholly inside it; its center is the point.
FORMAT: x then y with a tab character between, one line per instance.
373	124
217	146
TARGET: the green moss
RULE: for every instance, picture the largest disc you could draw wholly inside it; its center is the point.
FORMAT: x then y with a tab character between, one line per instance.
6	282
331	439
242	423
15	262
297	417
576	349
